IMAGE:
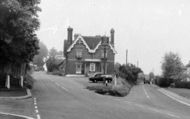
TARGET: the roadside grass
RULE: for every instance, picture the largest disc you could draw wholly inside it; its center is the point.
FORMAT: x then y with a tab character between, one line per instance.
180	91
13	92
10	117
121	89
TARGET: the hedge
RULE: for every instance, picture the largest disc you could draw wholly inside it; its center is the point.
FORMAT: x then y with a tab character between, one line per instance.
181	84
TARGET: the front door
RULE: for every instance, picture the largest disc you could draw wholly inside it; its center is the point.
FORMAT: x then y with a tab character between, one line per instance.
78	68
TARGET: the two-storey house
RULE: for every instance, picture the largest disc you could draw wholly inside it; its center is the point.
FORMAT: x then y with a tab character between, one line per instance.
87	54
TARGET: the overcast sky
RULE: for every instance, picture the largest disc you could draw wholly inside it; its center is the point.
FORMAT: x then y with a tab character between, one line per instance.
147	28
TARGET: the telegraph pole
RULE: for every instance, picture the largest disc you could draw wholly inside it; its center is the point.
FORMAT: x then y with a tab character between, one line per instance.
126	56
137	63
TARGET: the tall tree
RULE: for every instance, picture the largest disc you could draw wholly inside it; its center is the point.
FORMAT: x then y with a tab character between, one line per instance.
43	52
172	66
18	40
53	52
151	75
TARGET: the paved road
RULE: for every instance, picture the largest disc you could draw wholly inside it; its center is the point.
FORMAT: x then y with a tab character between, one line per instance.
67	98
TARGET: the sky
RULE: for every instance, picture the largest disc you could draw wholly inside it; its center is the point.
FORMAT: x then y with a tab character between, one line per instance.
146	28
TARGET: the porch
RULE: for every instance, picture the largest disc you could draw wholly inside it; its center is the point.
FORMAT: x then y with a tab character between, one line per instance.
90	66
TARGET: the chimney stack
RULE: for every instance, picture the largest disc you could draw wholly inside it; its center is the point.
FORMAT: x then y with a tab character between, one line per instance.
70	35
112	36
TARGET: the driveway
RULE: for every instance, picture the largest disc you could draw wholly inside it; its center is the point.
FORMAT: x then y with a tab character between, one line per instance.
67	98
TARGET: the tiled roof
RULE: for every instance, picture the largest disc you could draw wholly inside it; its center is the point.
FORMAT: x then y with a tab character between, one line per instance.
92	41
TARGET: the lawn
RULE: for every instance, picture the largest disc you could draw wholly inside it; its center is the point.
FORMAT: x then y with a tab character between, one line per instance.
181	91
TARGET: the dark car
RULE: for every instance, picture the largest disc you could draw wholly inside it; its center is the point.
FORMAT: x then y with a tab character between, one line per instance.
100	77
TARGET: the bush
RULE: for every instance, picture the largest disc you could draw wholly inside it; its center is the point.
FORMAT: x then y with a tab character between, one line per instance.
129	72
120	91
56	72
163	82
29	81
180	84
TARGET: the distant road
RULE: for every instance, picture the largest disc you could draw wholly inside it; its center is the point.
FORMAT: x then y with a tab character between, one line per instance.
67	98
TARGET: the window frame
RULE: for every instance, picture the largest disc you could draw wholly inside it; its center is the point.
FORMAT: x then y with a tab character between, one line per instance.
94	67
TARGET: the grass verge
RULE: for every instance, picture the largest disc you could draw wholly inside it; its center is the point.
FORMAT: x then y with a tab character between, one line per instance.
181	91
13	92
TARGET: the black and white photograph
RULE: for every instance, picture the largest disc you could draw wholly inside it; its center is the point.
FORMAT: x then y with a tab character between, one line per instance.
94	59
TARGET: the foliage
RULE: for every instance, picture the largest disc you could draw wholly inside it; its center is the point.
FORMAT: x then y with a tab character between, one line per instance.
182	84
119	91
43	52
172	67
129	72
18	41
53	52
163	82
116	67
151	75
29	81
51	65
57	72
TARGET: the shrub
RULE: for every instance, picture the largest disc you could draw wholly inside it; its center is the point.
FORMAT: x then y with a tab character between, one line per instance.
163	82
51	65
56	72
119	91
129	72
29	81
180	84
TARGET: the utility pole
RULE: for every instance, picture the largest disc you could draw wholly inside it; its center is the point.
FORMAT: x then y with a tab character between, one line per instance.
137	63
126	56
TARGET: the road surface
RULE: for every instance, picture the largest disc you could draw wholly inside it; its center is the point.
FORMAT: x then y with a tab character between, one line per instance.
67	98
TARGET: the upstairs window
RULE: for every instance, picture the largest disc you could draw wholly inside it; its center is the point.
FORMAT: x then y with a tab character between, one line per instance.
79	53
104	53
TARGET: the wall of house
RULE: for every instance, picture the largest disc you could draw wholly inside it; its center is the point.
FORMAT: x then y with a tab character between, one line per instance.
71	67
110	54
110	67
71	62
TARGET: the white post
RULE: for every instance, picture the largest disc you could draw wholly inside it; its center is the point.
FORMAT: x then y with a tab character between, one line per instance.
8	81
21	81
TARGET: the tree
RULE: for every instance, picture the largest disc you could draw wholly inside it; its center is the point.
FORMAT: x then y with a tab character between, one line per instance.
151	75
18	40
129	72
43	52
53	52
172	66
116	67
